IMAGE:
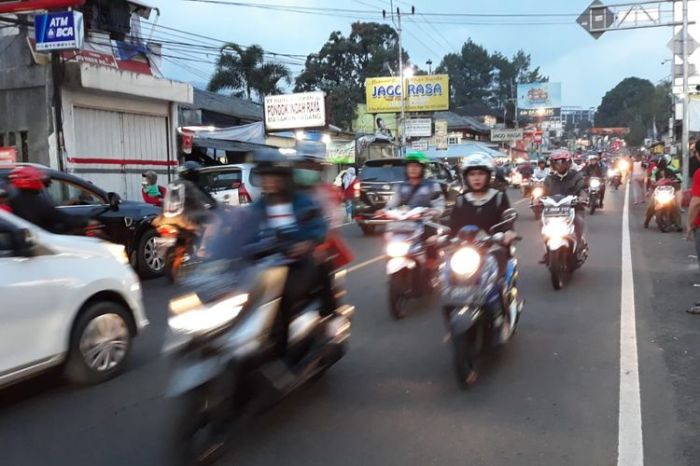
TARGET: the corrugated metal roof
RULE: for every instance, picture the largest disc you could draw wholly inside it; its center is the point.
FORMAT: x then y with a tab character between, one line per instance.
227	105
455	121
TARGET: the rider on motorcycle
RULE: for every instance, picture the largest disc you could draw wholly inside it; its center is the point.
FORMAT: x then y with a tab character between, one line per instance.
541	172
664	174
564	181
417	191
30	201
596	169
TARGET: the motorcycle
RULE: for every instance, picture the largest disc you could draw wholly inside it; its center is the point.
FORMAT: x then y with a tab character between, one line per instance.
664	203
564	253
614	178
474	297
595	193
527	186
224	327
535	195
407	267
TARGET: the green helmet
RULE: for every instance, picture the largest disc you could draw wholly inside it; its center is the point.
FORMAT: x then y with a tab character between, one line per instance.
417	157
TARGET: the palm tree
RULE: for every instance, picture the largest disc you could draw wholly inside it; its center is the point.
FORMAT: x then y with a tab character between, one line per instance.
244	71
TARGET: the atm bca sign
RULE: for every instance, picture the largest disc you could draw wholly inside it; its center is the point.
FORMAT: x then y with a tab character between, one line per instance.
59	31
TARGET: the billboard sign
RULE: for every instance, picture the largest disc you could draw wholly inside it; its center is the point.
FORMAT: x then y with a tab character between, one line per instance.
428	93
295	111
420	144
539	101
61	30
419	127
506	135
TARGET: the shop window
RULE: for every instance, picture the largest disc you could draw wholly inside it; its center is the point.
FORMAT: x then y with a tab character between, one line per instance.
24	149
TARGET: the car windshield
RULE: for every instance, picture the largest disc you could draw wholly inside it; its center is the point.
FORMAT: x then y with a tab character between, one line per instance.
383	173
221	180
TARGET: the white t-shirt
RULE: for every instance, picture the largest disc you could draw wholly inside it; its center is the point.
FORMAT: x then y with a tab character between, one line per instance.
281	216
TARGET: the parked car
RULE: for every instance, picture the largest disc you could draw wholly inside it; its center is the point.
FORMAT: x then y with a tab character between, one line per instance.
377	181
126	222
66	300
232	184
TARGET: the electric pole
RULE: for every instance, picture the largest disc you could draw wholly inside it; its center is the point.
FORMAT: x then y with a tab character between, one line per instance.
686	97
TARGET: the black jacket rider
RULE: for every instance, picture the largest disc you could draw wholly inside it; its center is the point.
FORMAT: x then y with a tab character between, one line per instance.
593	171
572	184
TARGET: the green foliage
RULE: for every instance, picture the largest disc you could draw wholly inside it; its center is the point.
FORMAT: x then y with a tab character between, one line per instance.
343	63
245	72
636	103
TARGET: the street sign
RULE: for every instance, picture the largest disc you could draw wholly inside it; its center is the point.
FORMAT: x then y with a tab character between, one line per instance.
596	19
419	127
421	144
676	44
506	135
61	30
678	70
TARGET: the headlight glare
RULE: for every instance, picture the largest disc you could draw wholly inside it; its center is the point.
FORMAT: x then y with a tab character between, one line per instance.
397	248
190	316
465	262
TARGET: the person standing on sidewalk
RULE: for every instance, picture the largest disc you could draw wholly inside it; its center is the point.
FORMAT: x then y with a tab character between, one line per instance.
693	230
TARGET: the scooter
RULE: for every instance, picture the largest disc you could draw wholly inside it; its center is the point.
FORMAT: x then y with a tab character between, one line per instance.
664	204
535	195
409	273
564	253
614	178
223	333
595	193
481	309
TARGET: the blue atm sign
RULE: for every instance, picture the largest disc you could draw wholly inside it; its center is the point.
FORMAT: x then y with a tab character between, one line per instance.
59	31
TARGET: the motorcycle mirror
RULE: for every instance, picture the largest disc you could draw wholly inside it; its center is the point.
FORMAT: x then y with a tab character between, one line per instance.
509	215
114	201
24	243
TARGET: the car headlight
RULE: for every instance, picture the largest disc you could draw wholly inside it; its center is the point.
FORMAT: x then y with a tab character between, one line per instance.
556	229
537	192
595	183
465	262
118	252
189	315
397	248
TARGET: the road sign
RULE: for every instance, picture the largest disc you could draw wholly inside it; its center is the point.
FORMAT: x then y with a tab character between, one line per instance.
506	135
676	44
678	70
596	19
421	144
419	127
62	30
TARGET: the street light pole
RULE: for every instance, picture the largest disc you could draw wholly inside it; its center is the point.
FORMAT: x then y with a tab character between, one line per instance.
403	94
686	97
430	66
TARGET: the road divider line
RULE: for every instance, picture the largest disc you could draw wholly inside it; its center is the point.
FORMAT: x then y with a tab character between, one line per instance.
525	199
364	264
630	449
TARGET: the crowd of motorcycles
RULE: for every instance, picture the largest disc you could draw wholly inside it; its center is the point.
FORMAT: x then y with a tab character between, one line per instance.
221	323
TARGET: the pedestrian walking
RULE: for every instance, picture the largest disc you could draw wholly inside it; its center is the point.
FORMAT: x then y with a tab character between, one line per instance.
349	179
693	230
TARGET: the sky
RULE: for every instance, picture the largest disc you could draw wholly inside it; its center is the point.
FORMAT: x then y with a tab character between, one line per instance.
587	68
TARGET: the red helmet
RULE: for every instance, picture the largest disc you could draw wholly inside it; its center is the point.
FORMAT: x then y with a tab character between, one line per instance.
27	178
560	154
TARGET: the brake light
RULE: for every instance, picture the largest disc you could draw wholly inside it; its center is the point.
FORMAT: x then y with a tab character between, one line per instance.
166	231
356	189
243	195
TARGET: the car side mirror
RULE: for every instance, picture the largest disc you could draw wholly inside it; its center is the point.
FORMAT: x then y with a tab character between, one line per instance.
510	215
24	243
114	201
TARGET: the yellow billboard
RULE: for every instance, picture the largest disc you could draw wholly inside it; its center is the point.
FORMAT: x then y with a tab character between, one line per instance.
428	93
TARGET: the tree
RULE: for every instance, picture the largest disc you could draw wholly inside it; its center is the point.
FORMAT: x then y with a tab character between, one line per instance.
343	63
635	103
245	71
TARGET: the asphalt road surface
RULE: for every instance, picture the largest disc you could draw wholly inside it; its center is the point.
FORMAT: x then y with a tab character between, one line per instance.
550	397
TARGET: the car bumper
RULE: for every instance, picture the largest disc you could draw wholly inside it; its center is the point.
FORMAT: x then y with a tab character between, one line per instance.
134	298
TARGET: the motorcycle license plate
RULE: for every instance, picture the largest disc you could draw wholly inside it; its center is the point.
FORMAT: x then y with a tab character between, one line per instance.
556	211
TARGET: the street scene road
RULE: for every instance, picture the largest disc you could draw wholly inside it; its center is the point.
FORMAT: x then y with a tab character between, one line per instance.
549	397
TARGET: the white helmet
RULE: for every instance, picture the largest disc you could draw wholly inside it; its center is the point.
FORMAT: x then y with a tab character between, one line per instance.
479	160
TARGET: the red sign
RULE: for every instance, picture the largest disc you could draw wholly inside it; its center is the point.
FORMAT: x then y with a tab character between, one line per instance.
610	131
187	140
16	6
8	154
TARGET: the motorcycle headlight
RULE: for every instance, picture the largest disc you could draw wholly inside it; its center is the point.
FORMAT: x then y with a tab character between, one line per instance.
189	315
537	192
612	173
397	248
663	198
624	165
595	183
556	229
465	262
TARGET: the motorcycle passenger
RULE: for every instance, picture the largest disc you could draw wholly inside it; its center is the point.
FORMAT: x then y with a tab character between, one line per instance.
417	191
293	216
30	201
541	172
596	169
664	174
564	181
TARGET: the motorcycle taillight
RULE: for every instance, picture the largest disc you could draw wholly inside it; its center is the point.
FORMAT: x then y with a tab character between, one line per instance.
167	231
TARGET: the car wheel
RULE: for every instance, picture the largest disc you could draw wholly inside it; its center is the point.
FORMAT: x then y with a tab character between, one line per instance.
150	261
100	343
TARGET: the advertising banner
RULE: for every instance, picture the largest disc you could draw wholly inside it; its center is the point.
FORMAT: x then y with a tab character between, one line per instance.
61	30
295	111
419	127
506	135
441	134
428	93
539	101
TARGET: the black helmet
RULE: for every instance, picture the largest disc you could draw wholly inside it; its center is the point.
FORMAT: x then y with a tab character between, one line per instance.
190	171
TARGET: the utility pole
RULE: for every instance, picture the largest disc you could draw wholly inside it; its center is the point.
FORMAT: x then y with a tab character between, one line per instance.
686	97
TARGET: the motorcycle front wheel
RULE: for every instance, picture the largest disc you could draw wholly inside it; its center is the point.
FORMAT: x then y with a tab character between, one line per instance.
558	267
663	220
202	428
467	348
594	204
398	295
538	212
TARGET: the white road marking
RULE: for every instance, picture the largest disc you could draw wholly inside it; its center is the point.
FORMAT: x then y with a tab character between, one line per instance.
630	450
525	199
364	264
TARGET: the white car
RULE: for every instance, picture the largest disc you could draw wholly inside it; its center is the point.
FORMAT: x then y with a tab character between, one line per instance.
66	300
232	184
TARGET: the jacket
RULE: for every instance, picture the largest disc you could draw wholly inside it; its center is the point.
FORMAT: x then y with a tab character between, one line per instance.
571	185
597	171
311	225
483	213
427	194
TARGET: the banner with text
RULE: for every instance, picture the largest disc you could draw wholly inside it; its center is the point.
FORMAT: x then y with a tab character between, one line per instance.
539	101
425	94
295	111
